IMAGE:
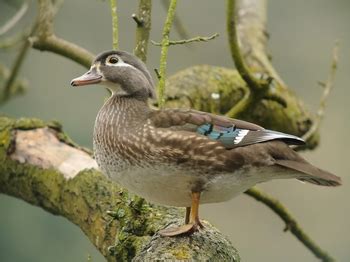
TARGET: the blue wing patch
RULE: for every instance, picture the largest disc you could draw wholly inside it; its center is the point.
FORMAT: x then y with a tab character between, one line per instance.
232	137
228	136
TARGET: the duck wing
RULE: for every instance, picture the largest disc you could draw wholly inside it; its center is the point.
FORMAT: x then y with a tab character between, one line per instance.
231	133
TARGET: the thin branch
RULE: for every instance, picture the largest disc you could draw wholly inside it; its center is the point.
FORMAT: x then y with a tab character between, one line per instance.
18	86
186	41
237	57
143	21
45	40
327	88
164	52
291	223
64	48
9	84
240	106
113	4
260	88
14	20
14	40
157	73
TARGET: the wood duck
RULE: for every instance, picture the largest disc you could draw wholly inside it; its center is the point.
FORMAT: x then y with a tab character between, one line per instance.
183	157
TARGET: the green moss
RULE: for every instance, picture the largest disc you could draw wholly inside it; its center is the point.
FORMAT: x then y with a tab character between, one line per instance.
181	252
28	123
199	87
85	200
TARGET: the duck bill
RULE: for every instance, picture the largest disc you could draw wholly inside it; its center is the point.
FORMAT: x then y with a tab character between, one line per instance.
89	78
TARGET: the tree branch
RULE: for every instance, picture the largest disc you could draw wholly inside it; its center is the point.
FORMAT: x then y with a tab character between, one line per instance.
291	223
164	52
327	88
10	88
64	48
237	57
113	4
15	39
143	29
44	39
187	41
41	166
17	87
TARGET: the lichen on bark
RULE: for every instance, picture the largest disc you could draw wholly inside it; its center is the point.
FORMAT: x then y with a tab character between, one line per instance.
121	225
218	89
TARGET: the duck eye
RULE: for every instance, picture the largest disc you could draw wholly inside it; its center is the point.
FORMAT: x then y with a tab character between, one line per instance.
113	60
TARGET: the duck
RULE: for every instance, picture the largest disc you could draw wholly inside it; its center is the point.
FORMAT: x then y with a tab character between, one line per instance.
183	157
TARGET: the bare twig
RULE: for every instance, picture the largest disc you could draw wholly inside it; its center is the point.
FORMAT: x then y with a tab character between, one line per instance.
64	48
186	41
9	84
14	40
45	40
327	88
164	52
143	21
14	20
291	223
157	73
18	86
138	21
113	4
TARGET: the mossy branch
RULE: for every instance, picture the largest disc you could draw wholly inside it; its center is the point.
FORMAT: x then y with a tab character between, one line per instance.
143	28
113	4
291	224
164	52
190	40
64	181
237	56
260	89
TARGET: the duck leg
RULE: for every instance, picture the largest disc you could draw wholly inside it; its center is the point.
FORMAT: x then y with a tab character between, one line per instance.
187	216
192	215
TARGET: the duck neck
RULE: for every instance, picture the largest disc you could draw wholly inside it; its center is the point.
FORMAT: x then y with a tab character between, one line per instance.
122	112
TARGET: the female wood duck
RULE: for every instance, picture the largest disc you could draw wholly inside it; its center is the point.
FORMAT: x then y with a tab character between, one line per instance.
181	157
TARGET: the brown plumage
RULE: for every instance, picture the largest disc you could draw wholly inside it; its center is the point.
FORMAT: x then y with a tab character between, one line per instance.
183	157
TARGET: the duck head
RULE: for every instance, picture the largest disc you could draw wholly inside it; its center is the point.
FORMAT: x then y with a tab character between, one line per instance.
121	72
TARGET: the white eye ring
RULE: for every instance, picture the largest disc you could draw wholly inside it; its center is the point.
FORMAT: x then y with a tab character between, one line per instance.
113	60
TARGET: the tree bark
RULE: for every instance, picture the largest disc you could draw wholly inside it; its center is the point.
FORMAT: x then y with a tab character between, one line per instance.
41	165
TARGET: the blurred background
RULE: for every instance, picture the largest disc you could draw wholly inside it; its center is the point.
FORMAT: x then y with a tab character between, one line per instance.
302	35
